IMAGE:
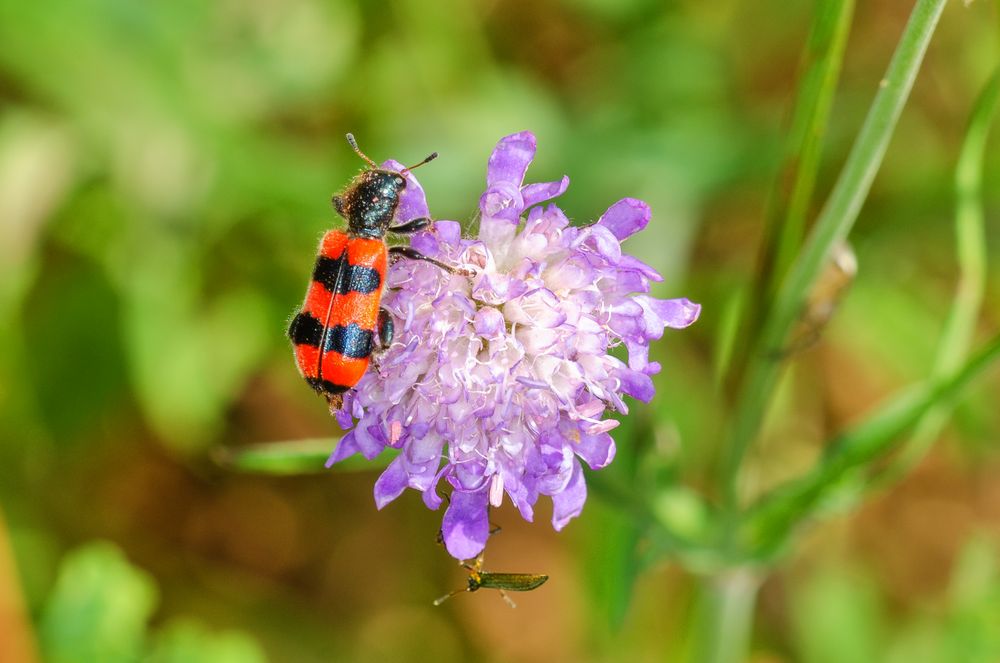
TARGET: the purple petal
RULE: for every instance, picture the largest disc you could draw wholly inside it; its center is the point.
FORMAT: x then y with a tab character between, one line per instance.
465	526
344	418
603	242
488	322
413	202
431	497
468	476
596	450
369	438
495	289
448	232
391	484
538	308
502	201
423	458
557	468
636	384
495	233
625	317
569	503
638	357
542	191
345	448
626	217
523	498
675	313
570	274
427	242
511	158
632	263
504	175
601	427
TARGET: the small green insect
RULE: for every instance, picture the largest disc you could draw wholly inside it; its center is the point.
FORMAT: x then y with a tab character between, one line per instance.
514	582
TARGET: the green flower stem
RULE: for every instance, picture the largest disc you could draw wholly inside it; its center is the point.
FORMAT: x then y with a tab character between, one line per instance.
792	190
833	225
788	206
768	524
970	235
725	617
692	554
295	457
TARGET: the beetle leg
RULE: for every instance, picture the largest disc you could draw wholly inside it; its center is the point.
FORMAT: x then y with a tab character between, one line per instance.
412	226
413	254
386	331
386	328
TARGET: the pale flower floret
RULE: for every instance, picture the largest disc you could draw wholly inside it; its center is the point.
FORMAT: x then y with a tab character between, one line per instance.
499	384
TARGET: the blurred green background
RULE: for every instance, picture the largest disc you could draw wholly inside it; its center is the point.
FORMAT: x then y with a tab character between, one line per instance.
165	173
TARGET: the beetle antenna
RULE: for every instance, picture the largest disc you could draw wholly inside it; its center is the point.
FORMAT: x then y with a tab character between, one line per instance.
448	596
430	157
354	145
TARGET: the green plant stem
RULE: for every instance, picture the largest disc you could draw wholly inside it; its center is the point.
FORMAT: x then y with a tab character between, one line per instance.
789	205
792	191
970	236
693	555
768	524
725	617
834	223
295	457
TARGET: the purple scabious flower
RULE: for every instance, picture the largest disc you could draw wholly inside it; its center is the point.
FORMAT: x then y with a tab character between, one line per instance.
499	384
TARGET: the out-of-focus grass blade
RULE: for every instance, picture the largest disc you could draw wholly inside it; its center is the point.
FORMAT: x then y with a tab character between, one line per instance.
612	561
773	517
724	617
833	225
295	457
793	189
612	566
788	202
970	236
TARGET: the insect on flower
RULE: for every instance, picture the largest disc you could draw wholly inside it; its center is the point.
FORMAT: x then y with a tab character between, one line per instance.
514	582
334	333
501	386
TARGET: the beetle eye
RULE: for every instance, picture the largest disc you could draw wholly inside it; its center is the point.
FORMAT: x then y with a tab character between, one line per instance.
400	181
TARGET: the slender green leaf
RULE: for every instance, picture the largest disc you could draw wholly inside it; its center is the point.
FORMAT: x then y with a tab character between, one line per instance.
613	559
725	616
970	235
777	513
793	190
295	457
834	224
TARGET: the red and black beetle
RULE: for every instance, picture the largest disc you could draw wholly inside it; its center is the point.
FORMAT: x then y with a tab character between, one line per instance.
334	333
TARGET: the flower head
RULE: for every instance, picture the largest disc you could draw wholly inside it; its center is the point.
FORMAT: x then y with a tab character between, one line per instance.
499	384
